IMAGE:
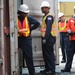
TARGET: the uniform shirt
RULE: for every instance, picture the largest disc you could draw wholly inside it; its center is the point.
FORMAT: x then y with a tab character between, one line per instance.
49	21
32	22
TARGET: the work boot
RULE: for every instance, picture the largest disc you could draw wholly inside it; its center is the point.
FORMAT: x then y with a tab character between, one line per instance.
43	71
65	70
47	72
63	61
50	73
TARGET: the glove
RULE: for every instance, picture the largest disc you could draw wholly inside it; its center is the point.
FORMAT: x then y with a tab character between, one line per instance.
70	32
44	41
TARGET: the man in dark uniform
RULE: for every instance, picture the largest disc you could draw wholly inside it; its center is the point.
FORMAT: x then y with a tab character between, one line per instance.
64	38
25	25
48	39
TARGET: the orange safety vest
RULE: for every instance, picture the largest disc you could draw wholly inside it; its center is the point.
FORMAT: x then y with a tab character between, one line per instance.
62	26
43	27
24	27
72	28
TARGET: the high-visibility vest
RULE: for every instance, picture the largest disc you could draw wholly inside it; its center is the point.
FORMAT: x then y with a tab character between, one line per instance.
60	27
43	27
24	27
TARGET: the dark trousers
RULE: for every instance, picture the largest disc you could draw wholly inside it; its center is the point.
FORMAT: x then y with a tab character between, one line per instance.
64	40
48	54
70	54
25	43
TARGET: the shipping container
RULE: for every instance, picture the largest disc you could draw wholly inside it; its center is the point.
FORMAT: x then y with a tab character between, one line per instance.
67	8
10	56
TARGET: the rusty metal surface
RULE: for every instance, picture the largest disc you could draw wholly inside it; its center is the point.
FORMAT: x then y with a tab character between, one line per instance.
1	61
0	32
7	68
13	37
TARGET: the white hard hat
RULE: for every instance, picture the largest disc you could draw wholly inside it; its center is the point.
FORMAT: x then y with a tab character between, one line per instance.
74	7
60	14
24	8
45	4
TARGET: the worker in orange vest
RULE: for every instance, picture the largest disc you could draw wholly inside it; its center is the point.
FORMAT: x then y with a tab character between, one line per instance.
25	25
48	39
71	49
64	37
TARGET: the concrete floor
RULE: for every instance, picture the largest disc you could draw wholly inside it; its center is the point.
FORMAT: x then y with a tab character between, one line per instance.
58	67
62	65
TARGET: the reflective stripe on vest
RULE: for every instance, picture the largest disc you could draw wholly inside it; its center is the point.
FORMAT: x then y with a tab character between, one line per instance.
24	27
60	27
43	27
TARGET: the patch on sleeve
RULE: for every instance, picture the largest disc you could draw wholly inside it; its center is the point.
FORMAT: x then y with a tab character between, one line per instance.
49	18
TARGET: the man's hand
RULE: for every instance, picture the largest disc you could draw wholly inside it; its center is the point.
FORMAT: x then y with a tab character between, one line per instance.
44	41
70	32
23	30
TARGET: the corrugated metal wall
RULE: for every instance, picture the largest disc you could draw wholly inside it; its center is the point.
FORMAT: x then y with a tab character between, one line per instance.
13	36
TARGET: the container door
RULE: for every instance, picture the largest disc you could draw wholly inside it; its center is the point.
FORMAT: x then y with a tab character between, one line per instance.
35	11
13	37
